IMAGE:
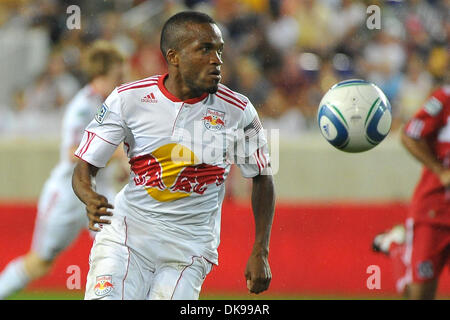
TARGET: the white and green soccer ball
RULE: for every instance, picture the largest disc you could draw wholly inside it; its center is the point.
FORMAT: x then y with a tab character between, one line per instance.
354	115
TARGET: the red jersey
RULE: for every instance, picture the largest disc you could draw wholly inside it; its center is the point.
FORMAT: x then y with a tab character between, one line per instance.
431	201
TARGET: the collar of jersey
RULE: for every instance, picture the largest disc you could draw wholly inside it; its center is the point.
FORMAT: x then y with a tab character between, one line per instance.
172	98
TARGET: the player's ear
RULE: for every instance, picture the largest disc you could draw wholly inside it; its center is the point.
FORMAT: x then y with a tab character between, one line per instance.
172	57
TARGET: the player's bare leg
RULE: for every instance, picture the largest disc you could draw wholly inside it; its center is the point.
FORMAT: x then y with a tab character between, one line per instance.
422	291
21	271
35	266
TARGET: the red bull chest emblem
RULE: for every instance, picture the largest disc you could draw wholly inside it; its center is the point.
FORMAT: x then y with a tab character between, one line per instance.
103	285
214	120
173	172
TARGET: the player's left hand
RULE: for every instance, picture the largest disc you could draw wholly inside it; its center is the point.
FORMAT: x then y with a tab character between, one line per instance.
258	273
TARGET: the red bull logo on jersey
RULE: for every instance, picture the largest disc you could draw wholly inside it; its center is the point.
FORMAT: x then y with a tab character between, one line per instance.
103	285
196	178
173	172
214	120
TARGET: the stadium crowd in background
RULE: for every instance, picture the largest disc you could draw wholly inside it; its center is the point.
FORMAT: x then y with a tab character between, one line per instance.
282	54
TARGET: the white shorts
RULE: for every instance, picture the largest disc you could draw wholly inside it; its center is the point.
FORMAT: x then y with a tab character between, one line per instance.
60	218
132	260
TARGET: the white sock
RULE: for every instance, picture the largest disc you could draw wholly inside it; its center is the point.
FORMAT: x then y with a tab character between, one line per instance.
13	278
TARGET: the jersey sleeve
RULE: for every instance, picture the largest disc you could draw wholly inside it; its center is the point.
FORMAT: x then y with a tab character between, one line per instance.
427	119
252	152
104	133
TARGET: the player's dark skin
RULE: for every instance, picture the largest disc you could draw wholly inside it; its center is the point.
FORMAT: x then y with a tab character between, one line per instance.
194	68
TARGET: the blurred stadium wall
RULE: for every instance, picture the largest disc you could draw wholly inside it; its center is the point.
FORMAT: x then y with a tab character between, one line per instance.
306	169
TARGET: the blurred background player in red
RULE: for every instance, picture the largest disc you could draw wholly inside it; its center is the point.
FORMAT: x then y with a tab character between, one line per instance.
421	248
61	216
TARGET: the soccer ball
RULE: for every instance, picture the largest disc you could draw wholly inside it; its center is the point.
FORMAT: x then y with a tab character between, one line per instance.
354	115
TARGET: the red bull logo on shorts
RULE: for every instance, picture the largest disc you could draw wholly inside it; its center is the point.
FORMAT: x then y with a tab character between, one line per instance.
214	120
103	285
172	172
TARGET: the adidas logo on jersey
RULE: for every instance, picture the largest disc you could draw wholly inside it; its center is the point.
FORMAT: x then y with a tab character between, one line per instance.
149	98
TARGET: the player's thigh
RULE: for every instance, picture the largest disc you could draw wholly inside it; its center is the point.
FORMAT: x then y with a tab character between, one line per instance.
59	220
179	281
116	272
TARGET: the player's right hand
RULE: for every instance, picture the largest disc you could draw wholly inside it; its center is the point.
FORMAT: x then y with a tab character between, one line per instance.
96	207
257	273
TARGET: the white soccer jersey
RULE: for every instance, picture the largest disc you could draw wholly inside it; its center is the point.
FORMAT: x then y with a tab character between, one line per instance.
79	113
180	154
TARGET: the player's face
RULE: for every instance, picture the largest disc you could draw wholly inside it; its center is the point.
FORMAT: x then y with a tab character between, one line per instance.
201	58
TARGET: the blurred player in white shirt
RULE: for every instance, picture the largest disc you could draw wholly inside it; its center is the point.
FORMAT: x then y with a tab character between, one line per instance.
182	131
61	215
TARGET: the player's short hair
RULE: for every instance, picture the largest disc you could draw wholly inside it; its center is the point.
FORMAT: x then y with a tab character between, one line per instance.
100	57
172	31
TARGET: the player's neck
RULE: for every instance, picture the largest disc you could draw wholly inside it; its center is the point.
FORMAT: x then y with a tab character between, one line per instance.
175	85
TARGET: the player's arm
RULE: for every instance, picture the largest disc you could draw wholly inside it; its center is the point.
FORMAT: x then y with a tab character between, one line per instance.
96	204
253	159
258	272
421	150
425	123
100	140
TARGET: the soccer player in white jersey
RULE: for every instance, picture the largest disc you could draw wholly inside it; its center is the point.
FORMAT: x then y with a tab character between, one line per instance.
181	131
61	215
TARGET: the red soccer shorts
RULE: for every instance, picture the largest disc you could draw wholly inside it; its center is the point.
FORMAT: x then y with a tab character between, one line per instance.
425	253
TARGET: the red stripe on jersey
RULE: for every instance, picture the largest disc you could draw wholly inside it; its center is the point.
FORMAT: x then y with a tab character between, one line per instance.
148	84
123	86
221	86
229	101
135	83
263	158
263	162
139	86
86	144
257	162
89	143
243	104
102	138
